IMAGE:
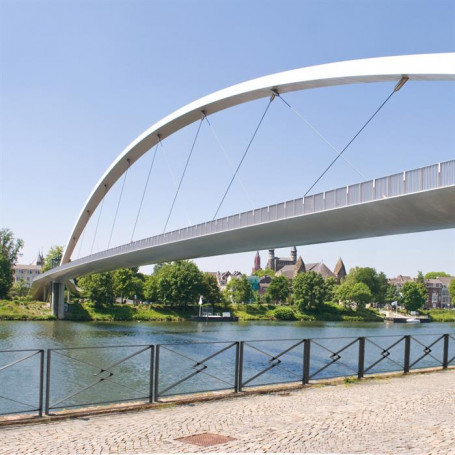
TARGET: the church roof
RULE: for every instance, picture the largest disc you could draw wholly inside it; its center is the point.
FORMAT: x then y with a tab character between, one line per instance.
340	269
300	266
287	271
321	268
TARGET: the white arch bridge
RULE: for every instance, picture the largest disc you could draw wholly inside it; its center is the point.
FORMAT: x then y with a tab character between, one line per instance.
412	201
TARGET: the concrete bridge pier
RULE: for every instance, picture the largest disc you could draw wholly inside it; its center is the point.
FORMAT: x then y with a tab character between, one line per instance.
58	299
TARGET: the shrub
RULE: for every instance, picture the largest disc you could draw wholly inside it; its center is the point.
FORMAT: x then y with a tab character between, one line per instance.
284	314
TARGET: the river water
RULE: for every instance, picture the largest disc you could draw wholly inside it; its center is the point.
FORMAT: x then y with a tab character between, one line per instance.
59	334
114	361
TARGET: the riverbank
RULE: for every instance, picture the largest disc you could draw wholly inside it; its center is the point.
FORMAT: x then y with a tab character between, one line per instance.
38	311
87	311
25	310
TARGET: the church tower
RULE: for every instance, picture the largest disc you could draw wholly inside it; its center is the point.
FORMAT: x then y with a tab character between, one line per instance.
294	254
271	260
257	263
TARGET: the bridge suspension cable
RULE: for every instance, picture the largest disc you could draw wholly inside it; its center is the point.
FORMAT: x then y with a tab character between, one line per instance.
397	87
171	173
98	220
184	171
315	130
118	204
228	160
145	189
244	155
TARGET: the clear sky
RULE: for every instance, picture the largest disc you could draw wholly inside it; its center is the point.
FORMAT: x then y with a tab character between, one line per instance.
82	79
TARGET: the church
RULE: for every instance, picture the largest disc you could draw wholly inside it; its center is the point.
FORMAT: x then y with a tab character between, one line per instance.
291	266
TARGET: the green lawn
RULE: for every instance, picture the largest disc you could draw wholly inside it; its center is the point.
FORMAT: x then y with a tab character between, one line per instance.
440	315
24	309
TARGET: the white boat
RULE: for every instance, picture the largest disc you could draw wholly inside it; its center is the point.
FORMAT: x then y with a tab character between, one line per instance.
413	321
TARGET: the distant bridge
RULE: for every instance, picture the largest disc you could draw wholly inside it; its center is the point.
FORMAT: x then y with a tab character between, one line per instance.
413	201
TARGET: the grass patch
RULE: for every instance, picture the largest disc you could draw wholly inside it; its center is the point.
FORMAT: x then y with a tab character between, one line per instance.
333	312
87	311
24	309
440	315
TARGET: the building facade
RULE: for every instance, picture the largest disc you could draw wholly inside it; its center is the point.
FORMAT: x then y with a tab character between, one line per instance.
27	273
292	266
438	292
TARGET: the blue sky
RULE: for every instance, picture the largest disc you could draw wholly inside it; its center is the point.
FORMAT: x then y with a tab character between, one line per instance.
81	79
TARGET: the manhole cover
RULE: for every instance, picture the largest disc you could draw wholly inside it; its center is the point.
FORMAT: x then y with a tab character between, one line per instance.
206	439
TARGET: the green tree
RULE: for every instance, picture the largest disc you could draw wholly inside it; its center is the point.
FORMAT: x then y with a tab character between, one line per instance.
376	282
349	292
392	294
309	290
452	290
420	278
126	283
210	289
413	295
239	290
331	284
10	249
260	273
6	276
53	257
9	246
98	288
434	275
151	288
19	289
177	283
279	289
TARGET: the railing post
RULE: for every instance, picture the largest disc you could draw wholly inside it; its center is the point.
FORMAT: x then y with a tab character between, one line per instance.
157	372
236	372
239	366
445	358
152	374
306	361
48	382
361	366
407	352
41	382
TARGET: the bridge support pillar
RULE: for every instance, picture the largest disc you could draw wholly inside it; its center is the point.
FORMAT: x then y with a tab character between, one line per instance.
58	299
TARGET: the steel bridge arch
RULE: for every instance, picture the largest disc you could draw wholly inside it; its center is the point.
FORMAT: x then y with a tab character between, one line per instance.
421	67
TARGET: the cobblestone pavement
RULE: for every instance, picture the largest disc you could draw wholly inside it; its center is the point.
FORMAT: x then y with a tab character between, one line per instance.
411	414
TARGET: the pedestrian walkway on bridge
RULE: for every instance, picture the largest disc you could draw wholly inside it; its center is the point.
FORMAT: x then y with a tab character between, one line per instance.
410	414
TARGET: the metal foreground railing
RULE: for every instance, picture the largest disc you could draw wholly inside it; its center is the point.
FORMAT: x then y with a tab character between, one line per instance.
21	381
82	377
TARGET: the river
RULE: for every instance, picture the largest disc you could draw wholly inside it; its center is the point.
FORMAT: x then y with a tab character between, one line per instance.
197	356
59	334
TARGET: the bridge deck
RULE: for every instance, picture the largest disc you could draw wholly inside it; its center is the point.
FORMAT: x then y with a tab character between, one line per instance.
412	201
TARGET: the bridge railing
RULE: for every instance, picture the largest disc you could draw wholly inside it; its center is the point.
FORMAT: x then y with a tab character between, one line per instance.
426	178
95	375
422	179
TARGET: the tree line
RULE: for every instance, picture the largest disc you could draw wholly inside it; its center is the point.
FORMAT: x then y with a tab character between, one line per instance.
181	283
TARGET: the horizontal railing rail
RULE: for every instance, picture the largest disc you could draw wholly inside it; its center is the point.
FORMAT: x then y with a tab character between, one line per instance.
97	375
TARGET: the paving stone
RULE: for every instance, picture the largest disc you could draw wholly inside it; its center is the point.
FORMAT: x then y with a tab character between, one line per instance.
412	414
